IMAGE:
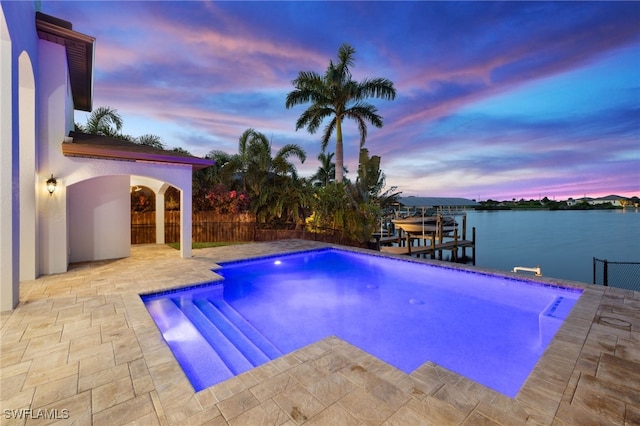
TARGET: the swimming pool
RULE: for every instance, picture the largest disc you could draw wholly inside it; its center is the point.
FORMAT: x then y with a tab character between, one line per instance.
489	328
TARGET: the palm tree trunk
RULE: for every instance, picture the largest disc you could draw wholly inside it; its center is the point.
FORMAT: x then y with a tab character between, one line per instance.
339	151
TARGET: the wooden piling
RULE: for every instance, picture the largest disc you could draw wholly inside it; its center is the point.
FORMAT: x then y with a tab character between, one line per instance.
473	245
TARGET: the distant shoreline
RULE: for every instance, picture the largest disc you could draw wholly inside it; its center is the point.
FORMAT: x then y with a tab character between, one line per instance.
552	208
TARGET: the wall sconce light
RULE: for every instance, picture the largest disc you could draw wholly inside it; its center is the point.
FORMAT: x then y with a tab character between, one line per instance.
51	184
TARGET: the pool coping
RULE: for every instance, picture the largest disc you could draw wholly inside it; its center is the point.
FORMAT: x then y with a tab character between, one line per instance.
563	388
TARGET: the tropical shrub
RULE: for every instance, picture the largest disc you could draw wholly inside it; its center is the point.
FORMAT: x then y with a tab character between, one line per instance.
220	200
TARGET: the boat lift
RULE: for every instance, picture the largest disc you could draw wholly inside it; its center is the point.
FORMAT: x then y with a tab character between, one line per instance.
420	209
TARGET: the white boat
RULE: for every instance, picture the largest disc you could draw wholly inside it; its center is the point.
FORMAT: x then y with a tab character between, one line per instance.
425	224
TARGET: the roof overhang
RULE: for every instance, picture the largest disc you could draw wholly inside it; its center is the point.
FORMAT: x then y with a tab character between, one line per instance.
106	148
80	50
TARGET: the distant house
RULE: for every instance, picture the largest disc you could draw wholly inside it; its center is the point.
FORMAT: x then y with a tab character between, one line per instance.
46	72
614	200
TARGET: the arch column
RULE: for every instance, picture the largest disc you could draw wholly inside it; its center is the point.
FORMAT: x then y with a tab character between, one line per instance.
185	222
160	214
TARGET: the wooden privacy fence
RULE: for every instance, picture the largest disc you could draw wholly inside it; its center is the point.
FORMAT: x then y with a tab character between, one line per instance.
213	227
143	228
206	226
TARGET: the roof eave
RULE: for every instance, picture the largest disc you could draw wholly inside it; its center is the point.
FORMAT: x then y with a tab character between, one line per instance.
80	50
74	149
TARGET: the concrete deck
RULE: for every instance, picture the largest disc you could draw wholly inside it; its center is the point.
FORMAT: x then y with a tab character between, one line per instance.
81	349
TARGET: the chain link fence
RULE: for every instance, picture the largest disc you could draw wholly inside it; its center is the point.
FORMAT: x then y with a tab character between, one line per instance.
624	275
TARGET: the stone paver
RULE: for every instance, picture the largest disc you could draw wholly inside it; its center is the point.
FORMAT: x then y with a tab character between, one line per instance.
81	348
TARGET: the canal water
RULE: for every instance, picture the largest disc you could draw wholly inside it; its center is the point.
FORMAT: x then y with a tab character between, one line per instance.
563	243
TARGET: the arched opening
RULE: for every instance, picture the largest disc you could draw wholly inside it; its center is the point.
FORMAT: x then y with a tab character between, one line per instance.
143	215
155	216
156	202
28	185
172	215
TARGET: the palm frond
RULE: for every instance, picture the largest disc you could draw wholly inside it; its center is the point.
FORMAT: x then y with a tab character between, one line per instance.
367	112
104	121
153	141
328	131
290	150
312	118
381	88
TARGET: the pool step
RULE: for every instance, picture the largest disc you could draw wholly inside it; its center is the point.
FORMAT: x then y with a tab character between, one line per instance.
248	330
200	362
238	333
559	308
552	317
235	360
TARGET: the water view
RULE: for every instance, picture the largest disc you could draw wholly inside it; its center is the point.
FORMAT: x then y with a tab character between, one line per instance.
563	243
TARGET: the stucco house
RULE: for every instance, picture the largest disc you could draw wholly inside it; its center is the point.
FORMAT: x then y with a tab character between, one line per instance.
614	200
46	72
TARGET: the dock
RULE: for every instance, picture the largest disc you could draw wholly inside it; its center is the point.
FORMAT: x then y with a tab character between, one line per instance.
434	249
432	244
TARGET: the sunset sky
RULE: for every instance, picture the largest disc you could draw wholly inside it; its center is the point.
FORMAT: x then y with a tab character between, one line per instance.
495	100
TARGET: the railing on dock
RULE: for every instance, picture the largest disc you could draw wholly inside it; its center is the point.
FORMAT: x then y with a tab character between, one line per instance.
624	275
451	211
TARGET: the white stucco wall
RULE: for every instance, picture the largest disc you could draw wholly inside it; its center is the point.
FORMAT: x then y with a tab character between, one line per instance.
52	214
99	218
36	106
28	161
9	213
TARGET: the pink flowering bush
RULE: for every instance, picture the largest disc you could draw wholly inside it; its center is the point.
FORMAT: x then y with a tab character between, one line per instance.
219	200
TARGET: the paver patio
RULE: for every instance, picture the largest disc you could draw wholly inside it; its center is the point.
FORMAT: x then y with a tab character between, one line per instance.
81	348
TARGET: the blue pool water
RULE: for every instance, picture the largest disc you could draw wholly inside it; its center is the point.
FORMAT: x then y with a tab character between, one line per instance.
489	328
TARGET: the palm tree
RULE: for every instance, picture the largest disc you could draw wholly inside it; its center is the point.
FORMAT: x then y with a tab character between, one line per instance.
222	171
154	141
248	145
261	167
327	170
103	121
337	95
366	196
271	181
